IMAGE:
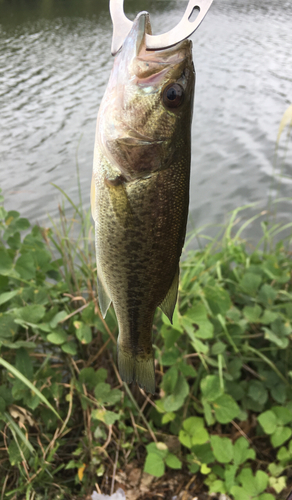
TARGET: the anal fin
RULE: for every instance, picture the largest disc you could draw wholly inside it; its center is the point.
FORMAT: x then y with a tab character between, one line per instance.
103	296
168	304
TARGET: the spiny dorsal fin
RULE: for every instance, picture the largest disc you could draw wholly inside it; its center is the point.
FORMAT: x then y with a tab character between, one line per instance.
168	304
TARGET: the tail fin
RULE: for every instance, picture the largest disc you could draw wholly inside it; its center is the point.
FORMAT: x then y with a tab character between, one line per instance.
137	369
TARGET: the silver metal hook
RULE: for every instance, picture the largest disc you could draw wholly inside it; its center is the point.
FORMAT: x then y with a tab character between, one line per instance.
185	28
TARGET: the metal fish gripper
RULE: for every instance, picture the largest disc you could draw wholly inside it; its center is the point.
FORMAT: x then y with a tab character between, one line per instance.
185	28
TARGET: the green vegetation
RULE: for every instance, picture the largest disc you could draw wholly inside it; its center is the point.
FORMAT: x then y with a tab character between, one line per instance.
223	409
222	415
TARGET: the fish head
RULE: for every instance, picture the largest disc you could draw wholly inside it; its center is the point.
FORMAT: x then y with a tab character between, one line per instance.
145	116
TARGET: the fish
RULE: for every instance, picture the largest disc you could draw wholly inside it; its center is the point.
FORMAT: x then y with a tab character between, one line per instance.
140	191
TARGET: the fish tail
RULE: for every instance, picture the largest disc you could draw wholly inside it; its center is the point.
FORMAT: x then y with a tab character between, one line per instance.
138	369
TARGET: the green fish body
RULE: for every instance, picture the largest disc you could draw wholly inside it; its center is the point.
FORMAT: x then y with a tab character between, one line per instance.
140	191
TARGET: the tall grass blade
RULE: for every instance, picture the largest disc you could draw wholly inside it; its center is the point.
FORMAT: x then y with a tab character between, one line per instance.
68	198
19	432
23	379
286	120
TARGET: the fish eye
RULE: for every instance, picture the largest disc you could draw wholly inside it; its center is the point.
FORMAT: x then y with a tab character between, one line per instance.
173	95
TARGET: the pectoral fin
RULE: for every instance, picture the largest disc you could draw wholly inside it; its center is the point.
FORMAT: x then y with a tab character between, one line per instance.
103	296
119	200
168	304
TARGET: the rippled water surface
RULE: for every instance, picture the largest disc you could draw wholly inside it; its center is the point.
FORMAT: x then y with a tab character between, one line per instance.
54	66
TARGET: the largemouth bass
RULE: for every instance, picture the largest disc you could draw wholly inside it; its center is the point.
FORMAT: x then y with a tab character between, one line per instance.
140	191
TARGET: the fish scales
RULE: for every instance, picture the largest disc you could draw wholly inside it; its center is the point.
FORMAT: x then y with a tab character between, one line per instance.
140	193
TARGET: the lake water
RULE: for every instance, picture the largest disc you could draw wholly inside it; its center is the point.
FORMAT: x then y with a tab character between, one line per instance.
54	66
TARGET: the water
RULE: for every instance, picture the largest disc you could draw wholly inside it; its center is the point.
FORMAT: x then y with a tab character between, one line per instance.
54	67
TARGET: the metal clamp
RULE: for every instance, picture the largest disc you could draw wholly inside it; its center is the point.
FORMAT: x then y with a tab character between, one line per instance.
185	28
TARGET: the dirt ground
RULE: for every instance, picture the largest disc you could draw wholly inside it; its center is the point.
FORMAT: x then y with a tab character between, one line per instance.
175	485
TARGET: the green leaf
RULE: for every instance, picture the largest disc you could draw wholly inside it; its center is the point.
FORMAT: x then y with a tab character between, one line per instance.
229	476
193	424
83	332
23	363
60	316
203	453
218	299
209	417
2	404
268	317
257	391
275	469
267	295
200	436
31	314
170	336
279	392
170	379
185	438
14	241
278	483
173	462
159	448
168	417
250	283
6	262
15	456
19	343
272	337
58	337
253	485
280	435
210	387
268	421
199	346
154	465
91	378
105	394
218	348
205	469
196	322
226	409
222	449
5	297
239	493
187	370
194	427
176	325
106	416
170	357
7	326
242	452
217	486
25	266
22	224
69	348
284	416
175	401
252	314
